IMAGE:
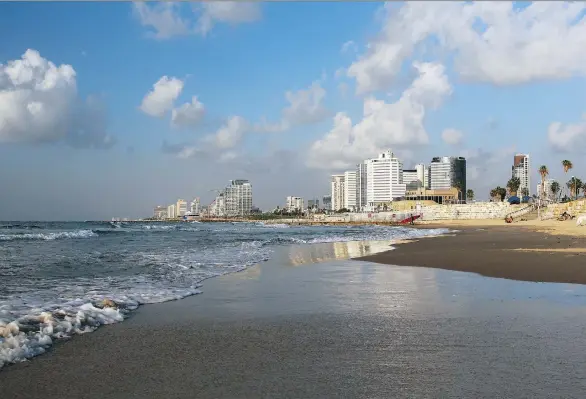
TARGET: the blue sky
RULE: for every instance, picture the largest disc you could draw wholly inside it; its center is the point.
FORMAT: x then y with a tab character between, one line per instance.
501	87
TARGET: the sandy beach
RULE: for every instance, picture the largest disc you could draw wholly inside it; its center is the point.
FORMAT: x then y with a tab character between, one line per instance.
309	324
529	251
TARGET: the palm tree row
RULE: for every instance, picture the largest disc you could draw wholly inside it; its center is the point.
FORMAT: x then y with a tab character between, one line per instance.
574	184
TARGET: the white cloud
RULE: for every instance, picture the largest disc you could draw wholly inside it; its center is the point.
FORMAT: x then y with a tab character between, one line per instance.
567	138
39	103
229	135
452	136
161	98
305	108
231	12
188	114
383	125
167	19
163	19
497	42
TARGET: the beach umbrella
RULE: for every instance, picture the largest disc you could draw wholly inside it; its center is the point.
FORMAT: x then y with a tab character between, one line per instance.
513	200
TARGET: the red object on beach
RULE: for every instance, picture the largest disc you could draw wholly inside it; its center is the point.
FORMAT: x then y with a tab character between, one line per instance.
408	220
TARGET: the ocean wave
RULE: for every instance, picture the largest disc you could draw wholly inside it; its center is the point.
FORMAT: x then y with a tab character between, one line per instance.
48	236
157	270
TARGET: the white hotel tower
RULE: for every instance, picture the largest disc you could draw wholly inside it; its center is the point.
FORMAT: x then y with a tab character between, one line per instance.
384	179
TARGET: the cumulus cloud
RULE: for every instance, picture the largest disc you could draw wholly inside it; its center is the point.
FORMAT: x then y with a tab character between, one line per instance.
188	114
305	107
496	42
229	135
452	136
161	98
231	12
384	125
167	19
569	137
39	103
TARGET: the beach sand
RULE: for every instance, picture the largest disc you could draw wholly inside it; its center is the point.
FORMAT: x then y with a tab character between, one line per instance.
539	252
308	324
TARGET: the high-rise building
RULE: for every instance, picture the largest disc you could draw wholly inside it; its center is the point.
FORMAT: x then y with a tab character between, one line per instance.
160	212
171	211
327	201
384	179
350	190
194	207
422	175
218	207
411	179
238	197
361	186
181	208
522	169
294	204
448	172
337	192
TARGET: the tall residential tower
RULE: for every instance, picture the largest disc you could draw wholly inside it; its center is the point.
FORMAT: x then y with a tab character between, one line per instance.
522	170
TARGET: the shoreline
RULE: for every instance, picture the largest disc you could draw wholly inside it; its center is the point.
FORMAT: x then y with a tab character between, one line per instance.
341	328
515	252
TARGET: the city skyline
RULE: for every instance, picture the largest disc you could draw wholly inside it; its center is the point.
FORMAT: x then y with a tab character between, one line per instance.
101	122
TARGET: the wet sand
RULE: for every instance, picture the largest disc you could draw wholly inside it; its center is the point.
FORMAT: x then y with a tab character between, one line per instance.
293	328
512	252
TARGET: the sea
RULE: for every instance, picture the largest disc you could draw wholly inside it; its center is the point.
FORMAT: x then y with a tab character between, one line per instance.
54	277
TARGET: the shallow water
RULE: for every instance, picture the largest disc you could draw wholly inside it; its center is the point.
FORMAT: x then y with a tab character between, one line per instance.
54	275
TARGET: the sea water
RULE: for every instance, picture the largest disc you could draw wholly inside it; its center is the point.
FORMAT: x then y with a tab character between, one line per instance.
54	277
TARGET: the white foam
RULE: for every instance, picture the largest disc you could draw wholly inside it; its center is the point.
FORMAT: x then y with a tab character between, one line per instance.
48	236
32	320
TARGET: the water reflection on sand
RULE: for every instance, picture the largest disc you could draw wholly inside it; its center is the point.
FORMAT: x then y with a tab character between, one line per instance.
325	252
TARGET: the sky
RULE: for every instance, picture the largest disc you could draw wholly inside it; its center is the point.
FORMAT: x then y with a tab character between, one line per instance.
109	109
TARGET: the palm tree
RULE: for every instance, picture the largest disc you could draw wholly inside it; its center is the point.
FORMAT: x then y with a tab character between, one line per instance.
499	192
543	172
567	165
493	193
572	186
575	185
555	188
470	195
513	185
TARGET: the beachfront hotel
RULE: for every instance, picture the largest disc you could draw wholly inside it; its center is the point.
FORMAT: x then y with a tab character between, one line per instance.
238	198
294	204
384	180
379	181
448	172
522	170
